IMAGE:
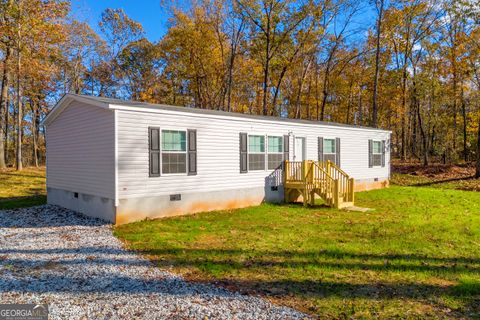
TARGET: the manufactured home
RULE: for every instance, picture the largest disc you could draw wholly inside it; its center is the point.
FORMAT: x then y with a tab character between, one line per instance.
123	161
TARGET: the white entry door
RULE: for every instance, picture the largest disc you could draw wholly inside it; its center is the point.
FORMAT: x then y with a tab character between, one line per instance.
299	149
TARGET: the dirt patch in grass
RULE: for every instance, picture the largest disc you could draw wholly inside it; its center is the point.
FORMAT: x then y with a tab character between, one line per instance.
460	177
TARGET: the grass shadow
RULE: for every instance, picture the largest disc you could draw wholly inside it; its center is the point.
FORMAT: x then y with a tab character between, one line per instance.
435	182
22	202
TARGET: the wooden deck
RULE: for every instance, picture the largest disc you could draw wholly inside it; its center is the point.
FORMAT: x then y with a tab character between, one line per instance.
310	178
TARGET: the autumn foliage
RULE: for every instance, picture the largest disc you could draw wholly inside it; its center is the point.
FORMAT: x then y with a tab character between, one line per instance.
410	66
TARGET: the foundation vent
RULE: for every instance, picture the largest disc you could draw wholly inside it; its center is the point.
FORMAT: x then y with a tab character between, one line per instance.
75	194
175	197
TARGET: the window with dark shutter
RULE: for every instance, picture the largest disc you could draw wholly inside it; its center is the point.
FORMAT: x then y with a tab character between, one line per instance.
376	153
337	150
383	153
320	149
370	153
243	152
274	152
174	151
286	148
192	152
329	150
154	151
256	152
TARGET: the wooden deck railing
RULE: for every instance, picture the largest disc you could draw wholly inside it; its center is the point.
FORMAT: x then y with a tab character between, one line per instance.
323	178
346	184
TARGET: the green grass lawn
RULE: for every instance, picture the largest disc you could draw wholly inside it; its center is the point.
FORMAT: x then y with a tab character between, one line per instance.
22	189
416	255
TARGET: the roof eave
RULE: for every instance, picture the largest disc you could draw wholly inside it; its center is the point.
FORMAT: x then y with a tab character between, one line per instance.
65	101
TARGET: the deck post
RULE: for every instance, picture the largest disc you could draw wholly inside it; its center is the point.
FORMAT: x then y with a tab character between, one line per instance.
285	179
304	181
285	172
336	196
352	190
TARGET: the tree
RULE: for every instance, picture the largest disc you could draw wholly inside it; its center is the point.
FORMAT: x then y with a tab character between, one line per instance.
380	7
7	48
138	64
272	22
118	30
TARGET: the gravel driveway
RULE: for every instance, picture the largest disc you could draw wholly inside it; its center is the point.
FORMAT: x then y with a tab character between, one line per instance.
75	264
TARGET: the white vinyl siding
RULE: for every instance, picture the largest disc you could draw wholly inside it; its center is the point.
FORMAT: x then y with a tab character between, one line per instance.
81	151
218	157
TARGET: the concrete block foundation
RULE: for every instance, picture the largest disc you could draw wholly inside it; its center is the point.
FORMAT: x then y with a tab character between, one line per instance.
90	205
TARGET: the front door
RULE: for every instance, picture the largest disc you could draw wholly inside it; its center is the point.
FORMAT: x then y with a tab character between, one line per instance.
299	149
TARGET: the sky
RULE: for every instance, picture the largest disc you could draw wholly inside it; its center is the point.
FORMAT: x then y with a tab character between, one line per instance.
154	16
149	13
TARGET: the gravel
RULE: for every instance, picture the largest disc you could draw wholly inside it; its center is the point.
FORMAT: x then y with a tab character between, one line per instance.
73	263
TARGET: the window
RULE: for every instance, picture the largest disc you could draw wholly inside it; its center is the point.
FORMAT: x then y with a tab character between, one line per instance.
174	151
256	152
329	152
377	153
275	152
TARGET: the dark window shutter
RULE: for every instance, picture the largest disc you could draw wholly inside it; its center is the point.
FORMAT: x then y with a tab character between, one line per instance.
243	152
383	153
320	148
337	150
192	152
286	148
370	153
154	151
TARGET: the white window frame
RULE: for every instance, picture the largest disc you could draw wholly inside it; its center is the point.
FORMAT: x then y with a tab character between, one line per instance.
268	151
376	153
334	148
163	151
265	164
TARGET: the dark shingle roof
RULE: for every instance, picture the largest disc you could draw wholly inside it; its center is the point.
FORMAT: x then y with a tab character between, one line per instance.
215	112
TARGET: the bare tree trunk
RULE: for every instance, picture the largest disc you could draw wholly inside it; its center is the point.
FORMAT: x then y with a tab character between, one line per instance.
35	124
230	81
404	112
350	102
7	117
380	4
19	165
266	69
477	171
4	107
317	105
416	104
454	137
277	90
360	109
325	92
464	116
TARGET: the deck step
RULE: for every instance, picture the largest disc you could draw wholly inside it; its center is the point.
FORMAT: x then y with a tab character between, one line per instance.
343	205
309	178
